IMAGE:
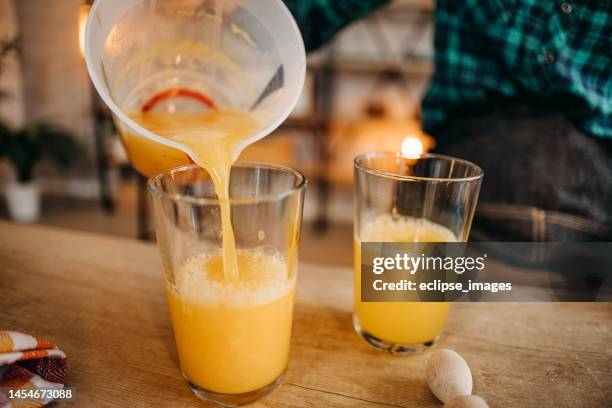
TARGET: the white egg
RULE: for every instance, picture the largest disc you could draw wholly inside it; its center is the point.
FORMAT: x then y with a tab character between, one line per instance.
448	375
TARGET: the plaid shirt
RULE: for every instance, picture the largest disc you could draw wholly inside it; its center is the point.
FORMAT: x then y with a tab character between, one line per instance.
488	52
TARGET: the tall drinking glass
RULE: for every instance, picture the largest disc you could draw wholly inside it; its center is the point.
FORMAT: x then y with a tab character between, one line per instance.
431	198
232	336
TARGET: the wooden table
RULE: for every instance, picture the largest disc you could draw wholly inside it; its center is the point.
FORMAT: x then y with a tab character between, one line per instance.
102	300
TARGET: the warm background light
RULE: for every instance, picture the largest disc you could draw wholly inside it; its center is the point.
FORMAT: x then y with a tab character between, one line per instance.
380	130
83	13
412	147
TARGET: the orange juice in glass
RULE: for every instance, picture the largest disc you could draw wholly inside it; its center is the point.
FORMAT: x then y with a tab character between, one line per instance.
430	198
232	331
233	337
231	303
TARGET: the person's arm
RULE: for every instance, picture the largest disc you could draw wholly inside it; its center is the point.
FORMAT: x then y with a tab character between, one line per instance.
320	20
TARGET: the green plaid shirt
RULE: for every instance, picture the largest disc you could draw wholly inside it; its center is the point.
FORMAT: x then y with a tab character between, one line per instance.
490	52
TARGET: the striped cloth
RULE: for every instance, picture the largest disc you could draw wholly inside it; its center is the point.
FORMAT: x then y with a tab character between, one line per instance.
28	362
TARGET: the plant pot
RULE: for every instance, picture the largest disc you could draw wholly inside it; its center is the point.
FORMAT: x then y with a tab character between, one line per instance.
23	200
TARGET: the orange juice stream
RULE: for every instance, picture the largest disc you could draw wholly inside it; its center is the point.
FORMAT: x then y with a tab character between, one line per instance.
231	310
403	323
213	138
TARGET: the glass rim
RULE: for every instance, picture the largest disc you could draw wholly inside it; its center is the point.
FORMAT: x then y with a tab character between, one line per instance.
153	185
359	163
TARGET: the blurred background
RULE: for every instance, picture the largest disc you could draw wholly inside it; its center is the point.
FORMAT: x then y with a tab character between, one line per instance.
68	168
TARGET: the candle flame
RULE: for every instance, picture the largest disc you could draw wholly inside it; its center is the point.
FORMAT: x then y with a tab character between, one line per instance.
412	147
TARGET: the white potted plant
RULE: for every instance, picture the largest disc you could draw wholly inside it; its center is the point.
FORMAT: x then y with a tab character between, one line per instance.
24	149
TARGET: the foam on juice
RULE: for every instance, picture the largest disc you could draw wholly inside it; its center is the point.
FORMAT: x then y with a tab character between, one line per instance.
388	228
264	278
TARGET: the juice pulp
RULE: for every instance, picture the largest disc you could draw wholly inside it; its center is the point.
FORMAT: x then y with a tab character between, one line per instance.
403	323
233	337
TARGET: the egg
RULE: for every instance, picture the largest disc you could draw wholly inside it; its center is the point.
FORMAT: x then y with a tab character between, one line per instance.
448	375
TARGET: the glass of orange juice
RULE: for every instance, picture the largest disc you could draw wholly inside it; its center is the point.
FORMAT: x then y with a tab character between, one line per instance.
427	198
232	333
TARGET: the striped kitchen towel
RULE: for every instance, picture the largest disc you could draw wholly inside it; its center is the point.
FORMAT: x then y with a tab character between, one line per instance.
29	363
